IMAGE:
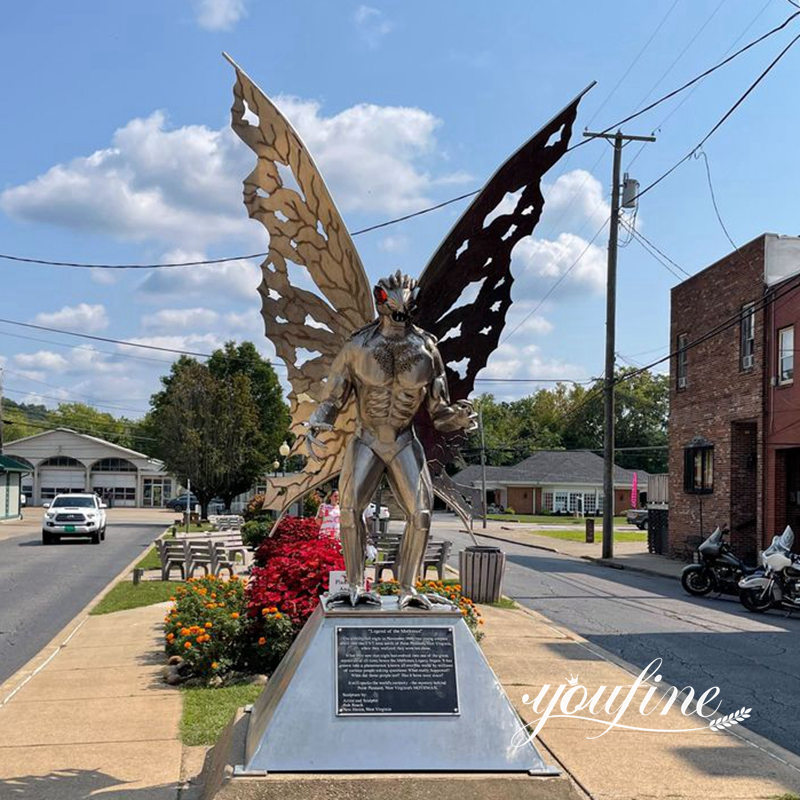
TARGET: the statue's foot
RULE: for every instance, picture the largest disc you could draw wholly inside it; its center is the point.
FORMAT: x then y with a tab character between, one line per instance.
354	595
411	597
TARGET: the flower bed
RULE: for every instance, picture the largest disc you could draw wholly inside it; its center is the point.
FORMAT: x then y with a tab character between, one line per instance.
293	572
209	629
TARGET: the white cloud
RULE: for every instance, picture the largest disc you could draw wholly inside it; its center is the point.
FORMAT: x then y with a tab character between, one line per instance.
393	244
574	202
527	361
41	360
151	184
369	154
83	317
219	15
372	25
181	187
180	319
535	259
231	279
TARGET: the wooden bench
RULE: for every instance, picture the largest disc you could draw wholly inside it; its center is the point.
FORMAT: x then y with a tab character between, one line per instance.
437	552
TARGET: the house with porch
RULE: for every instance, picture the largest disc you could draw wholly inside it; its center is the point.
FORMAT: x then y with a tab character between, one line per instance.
556	481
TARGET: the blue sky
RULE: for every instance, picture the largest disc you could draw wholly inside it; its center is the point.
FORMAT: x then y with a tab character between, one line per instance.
116	148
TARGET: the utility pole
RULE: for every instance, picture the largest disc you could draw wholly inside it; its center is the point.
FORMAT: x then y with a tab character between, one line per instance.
483	467
618	139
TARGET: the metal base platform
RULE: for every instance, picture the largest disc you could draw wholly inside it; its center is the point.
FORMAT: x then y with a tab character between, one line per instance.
293	726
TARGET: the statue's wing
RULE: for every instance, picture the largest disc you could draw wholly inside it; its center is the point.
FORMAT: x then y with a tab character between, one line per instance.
307	239
465	290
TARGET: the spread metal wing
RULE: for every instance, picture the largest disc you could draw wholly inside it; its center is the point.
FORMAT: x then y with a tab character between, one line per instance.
465	290
307	240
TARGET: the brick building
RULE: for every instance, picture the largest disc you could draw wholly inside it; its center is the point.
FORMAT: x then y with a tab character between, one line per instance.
734	425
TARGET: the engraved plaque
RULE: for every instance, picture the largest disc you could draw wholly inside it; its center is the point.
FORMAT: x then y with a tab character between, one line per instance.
385	670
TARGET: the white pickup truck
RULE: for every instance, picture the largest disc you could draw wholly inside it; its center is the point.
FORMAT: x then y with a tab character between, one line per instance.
74	515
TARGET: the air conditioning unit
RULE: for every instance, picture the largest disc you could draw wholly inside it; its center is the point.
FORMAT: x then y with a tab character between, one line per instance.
747	361
682	382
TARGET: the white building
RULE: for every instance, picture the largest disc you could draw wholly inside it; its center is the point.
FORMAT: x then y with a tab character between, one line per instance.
62	460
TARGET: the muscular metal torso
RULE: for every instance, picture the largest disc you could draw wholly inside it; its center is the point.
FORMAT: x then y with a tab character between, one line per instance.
392	369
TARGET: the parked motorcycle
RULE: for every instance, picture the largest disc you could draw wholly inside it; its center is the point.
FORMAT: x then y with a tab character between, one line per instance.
718	569
778	583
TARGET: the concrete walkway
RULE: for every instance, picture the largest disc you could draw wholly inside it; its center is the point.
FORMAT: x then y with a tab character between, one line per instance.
526	651
627	555
96	717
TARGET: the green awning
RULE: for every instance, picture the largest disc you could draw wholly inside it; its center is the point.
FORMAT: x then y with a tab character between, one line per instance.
8	464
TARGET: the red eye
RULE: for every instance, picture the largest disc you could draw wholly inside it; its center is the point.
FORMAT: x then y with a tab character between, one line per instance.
380	295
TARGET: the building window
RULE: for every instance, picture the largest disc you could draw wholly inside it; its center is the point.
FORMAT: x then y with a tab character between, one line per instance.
747	338
698	468
576	502
560	502
61	461
786	355
113	465
683	359
589	503
548	501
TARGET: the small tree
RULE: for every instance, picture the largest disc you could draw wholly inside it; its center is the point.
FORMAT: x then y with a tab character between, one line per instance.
208	430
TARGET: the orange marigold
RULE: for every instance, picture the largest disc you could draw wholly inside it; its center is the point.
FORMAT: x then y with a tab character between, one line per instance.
262	640
188	645
235	615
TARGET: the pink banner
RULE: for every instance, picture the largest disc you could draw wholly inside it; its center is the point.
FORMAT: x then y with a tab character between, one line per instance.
635	491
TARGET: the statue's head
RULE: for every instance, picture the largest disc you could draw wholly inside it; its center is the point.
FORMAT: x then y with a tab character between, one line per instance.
396	296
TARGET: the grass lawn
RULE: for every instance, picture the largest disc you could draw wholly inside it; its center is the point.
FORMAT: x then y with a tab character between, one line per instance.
580	535
206	526
207	711
125	595
505	602
150	560
551	519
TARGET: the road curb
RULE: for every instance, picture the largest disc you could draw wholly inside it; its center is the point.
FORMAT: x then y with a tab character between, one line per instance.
599	561
10	687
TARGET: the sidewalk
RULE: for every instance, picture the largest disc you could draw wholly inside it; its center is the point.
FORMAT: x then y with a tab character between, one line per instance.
526	651
96	717
627	555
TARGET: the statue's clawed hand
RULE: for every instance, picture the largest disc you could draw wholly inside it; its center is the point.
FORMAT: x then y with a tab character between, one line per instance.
311	438
466	415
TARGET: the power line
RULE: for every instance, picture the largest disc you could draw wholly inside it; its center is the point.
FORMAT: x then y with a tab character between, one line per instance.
716	330
702	153
722	119
426	210
556	284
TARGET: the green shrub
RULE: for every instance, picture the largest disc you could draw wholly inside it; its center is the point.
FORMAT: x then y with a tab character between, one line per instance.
255	532
510	510
209	628
205	625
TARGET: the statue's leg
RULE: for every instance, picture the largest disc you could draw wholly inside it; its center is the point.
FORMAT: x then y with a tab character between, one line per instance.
409	477
361	472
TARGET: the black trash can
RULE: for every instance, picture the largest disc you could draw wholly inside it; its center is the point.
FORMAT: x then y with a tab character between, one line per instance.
481	570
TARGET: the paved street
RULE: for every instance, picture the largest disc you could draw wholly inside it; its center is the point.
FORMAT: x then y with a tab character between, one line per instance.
43	588
703	642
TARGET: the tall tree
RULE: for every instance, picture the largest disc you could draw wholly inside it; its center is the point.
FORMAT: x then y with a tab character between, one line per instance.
273	413
208	430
